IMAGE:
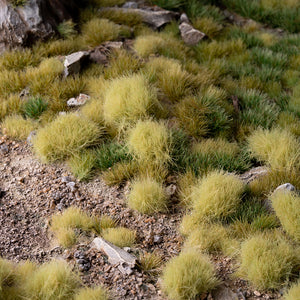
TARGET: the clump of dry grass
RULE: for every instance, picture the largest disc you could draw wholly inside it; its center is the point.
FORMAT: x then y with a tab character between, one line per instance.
217	195
207	238
208	25
122	63
277	147
65	136
17	127
188	275
150	262
119	173
63	225
93	110
97	31
162	44
287	208
267	261
53	280
150	142
120	236
147	196
10	105
185	184
96	293
128	99
81	164
293	293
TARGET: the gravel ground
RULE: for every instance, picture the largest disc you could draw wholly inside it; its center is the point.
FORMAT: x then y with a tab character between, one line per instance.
30	192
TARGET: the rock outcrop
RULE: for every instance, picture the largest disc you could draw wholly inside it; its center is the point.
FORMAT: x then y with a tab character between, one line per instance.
37	19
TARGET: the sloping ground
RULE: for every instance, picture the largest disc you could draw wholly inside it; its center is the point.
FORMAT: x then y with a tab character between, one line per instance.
32	192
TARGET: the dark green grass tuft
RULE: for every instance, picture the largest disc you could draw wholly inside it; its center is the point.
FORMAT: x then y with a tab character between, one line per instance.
34	107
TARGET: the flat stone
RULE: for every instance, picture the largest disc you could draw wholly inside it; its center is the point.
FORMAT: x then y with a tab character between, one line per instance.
116	256
74	62
130	4
253	174
285	187
190	35
154	18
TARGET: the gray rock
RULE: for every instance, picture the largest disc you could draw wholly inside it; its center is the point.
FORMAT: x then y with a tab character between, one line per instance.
153	18
285	187
30	137
116	256
71	185
224	293
78	101
254	174
184	18
130	4
171	190
37	19
4	149
190	35
66	179
74	62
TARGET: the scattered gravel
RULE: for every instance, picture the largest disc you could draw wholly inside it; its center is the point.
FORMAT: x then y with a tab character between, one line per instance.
30	192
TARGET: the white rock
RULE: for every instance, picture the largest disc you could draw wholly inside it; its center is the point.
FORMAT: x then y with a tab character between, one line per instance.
73	62
78	101
190	35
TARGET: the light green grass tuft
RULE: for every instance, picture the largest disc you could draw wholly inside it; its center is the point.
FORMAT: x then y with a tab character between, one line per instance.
97	293
188	275
17	127
277	147
150	142
97	31
217	195
267	261
128	99
63	225
65	136
147	196
52	281
287	208
293	293
120	236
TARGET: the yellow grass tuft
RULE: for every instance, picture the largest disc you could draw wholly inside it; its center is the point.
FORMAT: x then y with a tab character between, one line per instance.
267	261
63	225
128	99
150	142
188	275
65	136
53	280
149	262
17	127
217	195
208	26
120	236
147	196
207	238
97	31
277	147
162	44
287	208
293	293
97	293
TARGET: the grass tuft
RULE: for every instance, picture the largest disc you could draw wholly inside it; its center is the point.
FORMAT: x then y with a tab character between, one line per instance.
267	261
188	275
277	147
34	107
287	208
127	99
147	196
17	127
97	293
217	195
120	236
150	142
97	31
293	293
65	136
53	280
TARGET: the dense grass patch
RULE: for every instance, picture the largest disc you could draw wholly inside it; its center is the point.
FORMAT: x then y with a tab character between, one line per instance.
188	275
